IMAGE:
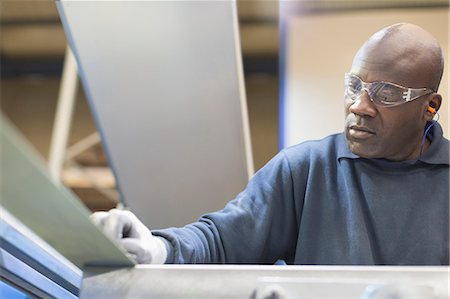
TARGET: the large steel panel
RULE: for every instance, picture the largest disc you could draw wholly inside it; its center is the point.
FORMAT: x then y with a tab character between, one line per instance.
164	81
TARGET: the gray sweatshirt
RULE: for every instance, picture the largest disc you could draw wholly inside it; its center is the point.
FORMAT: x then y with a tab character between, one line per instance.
318	203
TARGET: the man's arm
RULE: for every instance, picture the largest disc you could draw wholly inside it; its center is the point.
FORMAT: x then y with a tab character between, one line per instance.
259	226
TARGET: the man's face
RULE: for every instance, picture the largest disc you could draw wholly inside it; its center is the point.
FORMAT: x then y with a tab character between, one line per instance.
373	131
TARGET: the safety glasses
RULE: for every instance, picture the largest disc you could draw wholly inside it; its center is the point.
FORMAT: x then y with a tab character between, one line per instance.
382	93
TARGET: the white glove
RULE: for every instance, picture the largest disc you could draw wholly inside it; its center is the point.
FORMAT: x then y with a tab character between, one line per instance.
124	227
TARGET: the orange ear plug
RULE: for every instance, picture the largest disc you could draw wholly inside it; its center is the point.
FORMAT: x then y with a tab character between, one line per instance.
431	109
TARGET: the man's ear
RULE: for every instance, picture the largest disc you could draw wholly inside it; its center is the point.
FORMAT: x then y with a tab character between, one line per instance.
434	103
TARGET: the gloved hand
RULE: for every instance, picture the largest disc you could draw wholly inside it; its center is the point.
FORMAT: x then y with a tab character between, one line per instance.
124	227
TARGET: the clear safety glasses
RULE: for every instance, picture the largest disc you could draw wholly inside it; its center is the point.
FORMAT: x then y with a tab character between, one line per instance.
382	93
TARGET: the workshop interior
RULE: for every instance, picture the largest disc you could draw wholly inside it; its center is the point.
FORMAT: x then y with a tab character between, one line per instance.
168	108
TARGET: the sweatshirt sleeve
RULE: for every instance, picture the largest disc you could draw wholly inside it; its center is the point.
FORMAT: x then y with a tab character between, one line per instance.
259	226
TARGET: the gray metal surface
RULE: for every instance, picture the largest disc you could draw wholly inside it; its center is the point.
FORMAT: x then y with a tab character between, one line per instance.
47	208
164	81
226	281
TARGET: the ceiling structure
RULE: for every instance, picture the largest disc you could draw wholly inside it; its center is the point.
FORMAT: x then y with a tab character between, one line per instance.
32	38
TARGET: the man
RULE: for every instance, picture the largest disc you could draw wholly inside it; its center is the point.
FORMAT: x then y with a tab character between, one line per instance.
376	194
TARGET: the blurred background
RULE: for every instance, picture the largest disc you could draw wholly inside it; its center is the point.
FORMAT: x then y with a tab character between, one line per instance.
33	45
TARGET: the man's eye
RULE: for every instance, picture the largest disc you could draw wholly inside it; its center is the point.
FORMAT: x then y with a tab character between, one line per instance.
387	95
355	84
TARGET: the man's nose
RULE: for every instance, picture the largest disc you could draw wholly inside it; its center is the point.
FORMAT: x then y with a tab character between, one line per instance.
363	106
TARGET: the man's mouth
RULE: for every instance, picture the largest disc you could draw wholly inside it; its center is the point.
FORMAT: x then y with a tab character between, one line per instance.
360	132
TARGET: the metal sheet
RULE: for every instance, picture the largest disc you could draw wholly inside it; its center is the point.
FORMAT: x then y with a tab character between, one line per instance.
24	245
48	208
164	81
231	281
26	277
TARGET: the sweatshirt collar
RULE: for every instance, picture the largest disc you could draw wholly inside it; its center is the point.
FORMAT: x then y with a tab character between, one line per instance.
437	153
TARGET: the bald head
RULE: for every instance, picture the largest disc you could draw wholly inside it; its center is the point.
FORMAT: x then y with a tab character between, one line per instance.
409	56
412	54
